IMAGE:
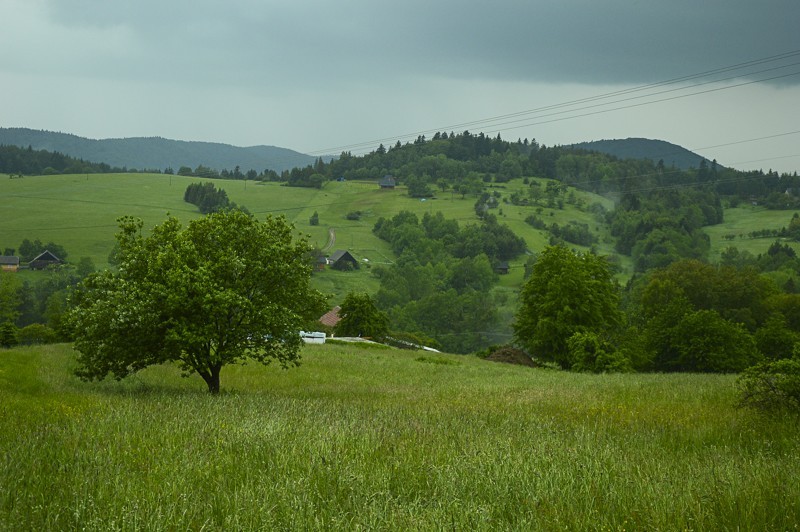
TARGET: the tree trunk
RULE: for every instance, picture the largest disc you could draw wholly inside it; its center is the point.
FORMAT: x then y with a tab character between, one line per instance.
212	379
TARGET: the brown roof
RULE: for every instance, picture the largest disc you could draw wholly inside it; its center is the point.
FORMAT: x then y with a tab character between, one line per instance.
331	318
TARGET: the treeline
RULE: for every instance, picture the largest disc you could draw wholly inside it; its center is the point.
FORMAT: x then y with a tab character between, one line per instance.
461	162
694	316
29	249
689	316
440	285
209	198
31	309
236	173
27	161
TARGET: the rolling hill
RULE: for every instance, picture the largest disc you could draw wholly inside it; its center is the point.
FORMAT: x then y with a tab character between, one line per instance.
639	148
157	153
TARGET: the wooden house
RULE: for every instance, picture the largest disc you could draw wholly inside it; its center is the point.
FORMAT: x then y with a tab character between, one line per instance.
343	260
43	260
387	182
9	263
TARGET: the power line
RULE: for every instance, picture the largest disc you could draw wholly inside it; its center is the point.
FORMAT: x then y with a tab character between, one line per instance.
649	103
490	120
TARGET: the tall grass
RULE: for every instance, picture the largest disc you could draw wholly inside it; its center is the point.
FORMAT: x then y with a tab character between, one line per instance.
364	439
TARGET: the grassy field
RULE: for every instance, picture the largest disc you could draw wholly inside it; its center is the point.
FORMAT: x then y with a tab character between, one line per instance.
382	439
741	221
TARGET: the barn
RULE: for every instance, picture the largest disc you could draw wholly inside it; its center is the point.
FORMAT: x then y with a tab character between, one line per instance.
43	260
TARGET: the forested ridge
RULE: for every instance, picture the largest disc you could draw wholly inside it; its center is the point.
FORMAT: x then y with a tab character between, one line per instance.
155	153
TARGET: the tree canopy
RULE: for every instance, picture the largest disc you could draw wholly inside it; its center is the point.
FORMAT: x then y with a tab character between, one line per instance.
360	317
225	288
567	293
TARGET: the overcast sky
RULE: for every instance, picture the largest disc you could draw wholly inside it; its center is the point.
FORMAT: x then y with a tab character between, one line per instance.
319	76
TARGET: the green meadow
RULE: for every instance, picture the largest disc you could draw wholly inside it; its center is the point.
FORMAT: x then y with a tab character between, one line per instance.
741	221
358	438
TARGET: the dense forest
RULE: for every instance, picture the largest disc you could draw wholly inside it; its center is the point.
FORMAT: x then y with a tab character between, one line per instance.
27	161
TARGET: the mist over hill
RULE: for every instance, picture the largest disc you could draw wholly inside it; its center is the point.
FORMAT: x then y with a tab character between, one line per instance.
157	153
640	148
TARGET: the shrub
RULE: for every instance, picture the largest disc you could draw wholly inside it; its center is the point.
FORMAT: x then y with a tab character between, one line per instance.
589	352
771	386
37	333
511	355
8	334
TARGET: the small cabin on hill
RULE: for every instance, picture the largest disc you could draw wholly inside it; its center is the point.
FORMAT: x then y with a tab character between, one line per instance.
387	182
43	260
502	268
343	260
9	263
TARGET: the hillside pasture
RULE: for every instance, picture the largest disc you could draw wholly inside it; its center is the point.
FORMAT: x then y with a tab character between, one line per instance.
740	222
79	212
359	438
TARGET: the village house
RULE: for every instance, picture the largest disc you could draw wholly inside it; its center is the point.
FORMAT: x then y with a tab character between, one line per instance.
343	260
43	260
387	182
9	263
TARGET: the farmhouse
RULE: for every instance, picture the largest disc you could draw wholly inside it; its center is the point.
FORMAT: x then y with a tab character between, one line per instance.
343	260
9	263
387	182
43	260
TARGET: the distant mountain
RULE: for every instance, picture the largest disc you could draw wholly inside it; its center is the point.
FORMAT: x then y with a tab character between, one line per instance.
156	153
638	148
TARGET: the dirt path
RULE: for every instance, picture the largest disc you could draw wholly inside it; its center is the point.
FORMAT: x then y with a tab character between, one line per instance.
331	239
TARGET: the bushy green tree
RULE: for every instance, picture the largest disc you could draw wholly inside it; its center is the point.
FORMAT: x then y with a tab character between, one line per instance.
590	352
223	289
706	342
566	293
771	386
360	317
775	339
36	334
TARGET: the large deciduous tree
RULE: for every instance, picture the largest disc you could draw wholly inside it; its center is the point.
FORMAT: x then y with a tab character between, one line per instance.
567	293
225	288
360	317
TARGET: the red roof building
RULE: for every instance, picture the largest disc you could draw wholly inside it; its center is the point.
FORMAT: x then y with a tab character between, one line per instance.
331	318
